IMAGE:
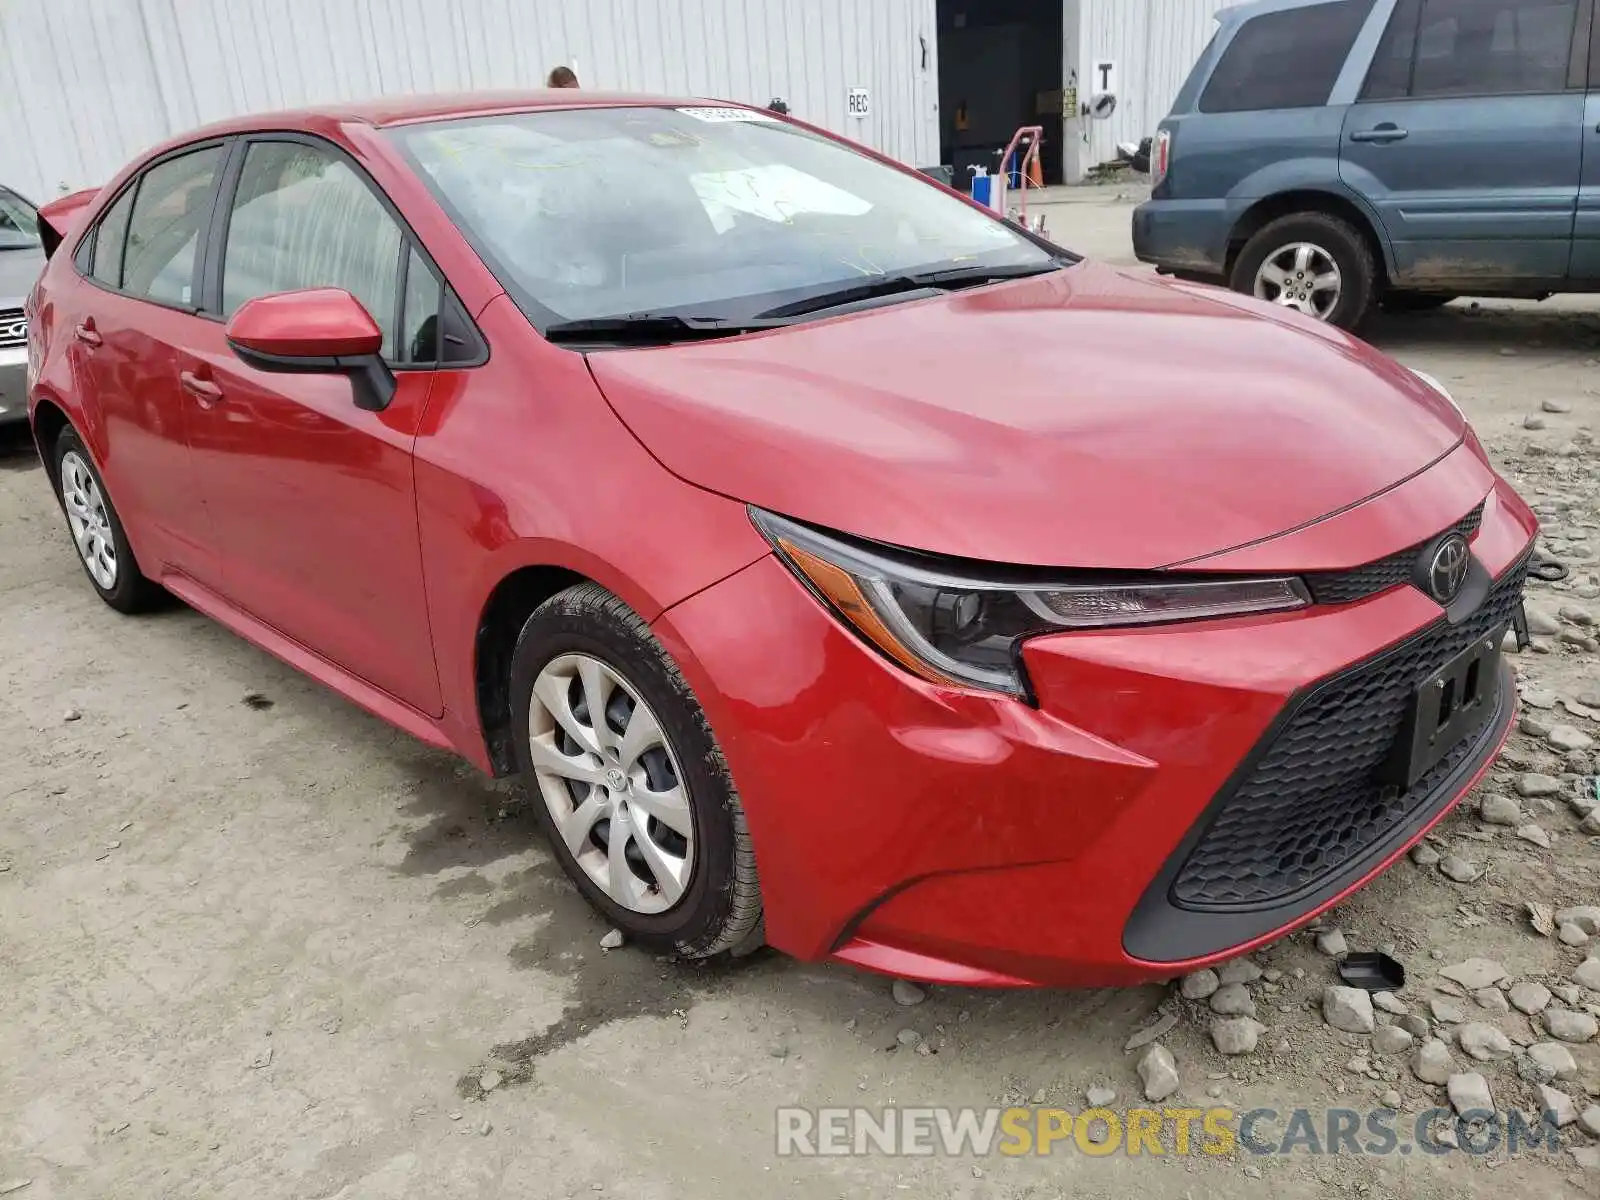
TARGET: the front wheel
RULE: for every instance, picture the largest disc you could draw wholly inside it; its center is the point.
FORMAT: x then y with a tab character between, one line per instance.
628	780
1315	263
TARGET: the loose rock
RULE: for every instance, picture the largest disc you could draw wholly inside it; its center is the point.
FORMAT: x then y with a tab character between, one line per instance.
1199	985
490	1080
1391	1039
1100	1097
1534	726
1577	614
1469	1092
1389	1003
1483	1042
1589	1121
71	715
1584	916
1532	422
1492	999
1542	624
1499	810
1529	997
1233	1000
908	1037
1236	1035
1432	1062
612	940
1535	834
1348	1009
1240	970
1424	855
1459	869
1567	993
1553	405
1416	1026
1445	1012
1474	973
1391	1099
1565	1025
1158	1072
907	994
1554	1060
1556	1106
1332	943
1569	737
1532	783
1588	974
1571	934
1156	1028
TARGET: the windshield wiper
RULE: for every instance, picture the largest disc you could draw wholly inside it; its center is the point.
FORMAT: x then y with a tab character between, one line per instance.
653	327
948	278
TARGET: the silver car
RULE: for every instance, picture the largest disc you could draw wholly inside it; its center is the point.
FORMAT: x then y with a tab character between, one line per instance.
21	260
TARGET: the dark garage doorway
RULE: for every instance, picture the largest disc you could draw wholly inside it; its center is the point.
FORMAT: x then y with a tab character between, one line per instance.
1000	64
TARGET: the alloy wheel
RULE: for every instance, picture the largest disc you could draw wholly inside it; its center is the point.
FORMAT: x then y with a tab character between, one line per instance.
608	774
88	520
1302	276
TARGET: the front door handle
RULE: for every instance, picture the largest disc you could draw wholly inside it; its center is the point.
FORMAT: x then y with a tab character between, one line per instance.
1383	133
203	390
86	334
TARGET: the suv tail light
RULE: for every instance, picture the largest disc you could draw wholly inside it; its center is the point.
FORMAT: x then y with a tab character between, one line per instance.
1160	155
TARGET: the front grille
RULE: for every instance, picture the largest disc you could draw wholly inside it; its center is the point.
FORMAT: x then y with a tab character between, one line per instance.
13	328
1314	798
1346	587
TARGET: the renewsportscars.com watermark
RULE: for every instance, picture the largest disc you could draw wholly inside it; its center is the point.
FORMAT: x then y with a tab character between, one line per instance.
1212	1132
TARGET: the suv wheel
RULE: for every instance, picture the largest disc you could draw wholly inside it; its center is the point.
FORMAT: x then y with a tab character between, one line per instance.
96	529
628	780
1313	262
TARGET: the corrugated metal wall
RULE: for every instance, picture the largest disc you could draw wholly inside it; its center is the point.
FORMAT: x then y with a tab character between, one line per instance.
1154	44
86	84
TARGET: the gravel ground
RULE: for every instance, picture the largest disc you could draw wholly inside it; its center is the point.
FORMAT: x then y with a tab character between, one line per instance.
253	943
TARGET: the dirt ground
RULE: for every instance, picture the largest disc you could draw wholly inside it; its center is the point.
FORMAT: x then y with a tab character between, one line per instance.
269	948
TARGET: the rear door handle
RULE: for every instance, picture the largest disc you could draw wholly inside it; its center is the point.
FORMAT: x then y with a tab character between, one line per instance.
1383	133
203	390
85	333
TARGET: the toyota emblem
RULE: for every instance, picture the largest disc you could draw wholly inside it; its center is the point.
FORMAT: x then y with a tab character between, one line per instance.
1447	568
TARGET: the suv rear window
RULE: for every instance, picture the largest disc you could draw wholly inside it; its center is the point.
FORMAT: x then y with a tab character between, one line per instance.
1287	59
1473	48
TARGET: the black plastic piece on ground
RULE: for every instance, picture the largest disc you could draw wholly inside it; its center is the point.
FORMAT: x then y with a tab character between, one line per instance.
1372	972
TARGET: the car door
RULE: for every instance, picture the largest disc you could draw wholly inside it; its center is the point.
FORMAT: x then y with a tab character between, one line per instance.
312	498
141	265
1586	225
1467	139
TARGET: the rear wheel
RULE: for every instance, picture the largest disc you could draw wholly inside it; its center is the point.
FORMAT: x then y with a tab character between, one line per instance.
97	531
1313	262
628	780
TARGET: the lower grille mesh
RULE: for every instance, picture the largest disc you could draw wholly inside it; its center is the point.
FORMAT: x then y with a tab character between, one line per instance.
1313	800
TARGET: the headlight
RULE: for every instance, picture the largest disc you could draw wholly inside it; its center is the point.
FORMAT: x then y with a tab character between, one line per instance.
963	624
1440	388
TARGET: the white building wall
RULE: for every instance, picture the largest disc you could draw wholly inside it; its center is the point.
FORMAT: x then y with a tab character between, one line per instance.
1154	43
87	84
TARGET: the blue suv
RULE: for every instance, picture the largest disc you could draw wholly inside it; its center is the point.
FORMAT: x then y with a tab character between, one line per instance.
1332	155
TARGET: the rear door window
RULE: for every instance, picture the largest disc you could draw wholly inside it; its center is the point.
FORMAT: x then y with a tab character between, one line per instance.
1287	59
111	235
170	210
1491	47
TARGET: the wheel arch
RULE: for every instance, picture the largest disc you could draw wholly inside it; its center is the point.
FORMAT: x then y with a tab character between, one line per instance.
48	420
1301	200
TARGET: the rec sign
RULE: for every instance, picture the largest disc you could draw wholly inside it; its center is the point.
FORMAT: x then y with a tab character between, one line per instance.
858	104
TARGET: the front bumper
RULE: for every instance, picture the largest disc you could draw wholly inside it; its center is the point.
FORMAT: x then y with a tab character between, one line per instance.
972	839
13	384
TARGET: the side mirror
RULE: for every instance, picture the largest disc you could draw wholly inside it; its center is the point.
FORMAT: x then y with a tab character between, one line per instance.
320	331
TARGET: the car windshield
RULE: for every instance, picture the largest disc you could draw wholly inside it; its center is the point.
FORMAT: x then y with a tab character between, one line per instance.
19	228
713	211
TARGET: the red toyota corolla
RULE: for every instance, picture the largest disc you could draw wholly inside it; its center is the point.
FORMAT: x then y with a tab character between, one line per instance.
836	564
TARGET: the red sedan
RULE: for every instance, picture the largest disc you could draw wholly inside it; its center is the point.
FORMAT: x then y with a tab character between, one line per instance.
836	564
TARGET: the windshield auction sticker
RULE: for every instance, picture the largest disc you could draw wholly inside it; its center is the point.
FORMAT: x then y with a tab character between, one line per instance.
721	113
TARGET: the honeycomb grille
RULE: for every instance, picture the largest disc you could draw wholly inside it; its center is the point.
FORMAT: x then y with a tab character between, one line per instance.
1346	587
1314	798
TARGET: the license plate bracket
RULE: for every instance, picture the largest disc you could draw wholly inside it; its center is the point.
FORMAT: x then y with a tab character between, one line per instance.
1449	705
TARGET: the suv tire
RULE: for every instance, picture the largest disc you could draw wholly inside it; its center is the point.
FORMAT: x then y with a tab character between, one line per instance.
1330	238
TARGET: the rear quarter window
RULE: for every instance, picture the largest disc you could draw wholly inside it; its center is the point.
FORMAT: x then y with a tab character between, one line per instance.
1287	59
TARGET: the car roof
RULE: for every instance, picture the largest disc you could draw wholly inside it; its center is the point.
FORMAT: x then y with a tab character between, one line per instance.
402	110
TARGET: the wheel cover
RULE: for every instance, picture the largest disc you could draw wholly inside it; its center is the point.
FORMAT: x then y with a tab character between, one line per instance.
1302	276
610	779
88	520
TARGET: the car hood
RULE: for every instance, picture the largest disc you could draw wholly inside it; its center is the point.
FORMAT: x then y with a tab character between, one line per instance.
1089	417
18	271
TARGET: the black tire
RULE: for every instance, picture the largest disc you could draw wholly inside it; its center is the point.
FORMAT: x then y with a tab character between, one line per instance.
720	909
1415	302
131	592
1345	244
